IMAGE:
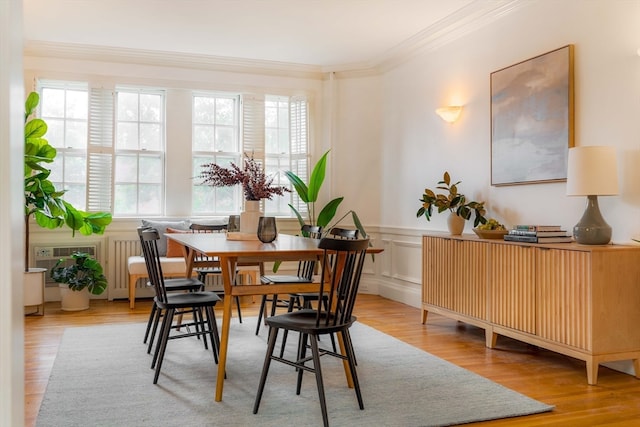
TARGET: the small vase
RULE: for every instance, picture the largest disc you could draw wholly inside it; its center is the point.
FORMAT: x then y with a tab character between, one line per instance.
267	231
455	223
250	216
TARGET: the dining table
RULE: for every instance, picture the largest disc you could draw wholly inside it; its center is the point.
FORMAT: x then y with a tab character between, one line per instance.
232	251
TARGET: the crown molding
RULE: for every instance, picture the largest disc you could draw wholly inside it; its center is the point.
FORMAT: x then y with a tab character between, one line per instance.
75	51
465	20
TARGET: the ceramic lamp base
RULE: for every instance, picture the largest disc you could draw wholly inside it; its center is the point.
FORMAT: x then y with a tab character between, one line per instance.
592	229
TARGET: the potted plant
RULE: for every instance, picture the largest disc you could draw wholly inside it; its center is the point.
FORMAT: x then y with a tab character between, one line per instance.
43	201
83	276
453	201
309	195
256	185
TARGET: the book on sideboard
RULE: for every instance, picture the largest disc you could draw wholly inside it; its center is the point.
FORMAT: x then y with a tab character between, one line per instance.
537	239
559	233
526	227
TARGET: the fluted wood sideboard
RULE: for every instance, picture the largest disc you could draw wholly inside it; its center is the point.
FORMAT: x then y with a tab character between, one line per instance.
581	301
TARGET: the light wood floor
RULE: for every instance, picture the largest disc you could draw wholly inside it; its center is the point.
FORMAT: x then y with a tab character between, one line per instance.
551	378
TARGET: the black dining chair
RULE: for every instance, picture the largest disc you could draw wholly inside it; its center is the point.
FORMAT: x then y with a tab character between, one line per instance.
306	269
213	267
342	263
200	303
186	284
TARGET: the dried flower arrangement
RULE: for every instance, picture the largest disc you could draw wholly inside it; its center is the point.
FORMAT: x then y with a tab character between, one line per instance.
255	183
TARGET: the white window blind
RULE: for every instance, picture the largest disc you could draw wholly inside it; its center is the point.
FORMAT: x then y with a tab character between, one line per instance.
299	122
100	164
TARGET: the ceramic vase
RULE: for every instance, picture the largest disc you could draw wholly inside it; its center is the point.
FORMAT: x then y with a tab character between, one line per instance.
455	223
250	217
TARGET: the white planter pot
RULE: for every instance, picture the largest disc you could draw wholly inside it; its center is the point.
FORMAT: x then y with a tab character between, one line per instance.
250	216
73	300
33	289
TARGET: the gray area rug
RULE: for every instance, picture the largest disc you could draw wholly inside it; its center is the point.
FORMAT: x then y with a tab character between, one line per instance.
102	377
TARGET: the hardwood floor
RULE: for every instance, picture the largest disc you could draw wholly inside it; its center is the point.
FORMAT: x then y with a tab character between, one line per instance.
549	377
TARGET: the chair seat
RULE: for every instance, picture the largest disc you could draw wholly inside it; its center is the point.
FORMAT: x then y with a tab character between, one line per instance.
188	300
304	321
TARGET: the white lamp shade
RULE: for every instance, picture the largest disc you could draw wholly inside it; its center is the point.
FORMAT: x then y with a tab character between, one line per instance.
592	171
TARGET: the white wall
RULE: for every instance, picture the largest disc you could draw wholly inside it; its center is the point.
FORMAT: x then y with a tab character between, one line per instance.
418	146
11	211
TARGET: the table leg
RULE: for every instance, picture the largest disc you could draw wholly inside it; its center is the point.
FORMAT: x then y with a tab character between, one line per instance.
228	266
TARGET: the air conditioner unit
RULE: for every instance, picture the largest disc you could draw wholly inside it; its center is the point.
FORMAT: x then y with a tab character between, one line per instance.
48	256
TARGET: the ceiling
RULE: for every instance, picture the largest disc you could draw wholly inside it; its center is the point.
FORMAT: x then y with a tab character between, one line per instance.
323	33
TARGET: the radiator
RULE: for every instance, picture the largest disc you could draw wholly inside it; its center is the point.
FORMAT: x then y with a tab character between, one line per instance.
120	249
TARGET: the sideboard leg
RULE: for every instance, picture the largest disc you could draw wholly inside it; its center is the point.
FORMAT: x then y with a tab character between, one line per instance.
592	371
636	367
490	337
424	320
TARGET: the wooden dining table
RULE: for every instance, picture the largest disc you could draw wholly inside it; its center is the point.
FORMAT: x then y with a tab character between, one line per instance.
231	252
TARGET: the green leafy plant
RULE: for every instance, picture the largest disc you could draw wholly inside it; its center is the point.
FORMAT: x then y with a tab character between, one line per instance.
42	199
450	200
309	195
85	272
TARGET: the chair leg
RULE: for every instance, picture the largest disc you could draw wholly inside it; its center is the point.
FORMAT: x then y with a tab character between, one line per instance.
263	303
285	334
239	312
213	332
154	307
351	357
154	328
162	345
318	371
302	353
273	334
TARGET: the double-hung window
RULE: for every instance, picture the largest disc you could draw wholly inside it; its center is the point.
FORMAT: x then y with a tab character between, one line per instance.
215	139
64	107
139	152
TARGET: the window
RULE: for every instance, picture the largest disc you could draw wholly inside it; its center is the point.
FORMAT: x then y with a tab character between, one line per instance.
139	152
215	139
64	107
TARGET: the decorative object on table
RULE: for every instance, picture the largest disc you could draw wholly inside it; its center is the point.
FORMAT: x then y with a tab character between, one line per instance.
592	172
532	119
234	223
267	231
256	185
83	276
492	229
454	202
42	199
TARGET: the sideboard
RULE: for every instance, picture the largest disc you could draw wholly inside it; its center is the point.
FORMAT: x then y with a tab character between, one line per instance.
578	300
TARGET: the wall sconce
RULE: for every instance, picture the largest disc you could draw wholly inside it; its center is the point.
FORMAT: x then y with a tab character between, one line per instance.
449	114
592	171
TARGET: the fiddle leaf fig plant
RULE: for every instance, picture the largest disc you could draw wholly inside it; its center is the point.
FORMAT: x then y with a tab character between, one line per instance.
450	200
41	198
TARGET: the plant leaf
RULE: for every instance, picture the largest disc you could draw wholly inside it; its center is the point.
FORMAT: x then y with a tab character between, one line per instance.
299	185
328	212
317	177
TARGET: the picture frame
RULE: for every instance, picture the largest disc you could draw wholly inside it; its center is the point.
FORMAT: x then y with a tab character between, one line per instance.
532	119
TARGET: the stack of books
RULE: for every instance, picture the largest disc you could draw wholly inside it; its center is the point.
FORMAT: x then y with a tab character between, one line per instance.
538	234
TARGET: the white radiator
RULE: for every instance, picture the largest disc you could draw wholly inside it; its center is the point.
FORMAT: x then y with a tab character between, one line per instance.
121	247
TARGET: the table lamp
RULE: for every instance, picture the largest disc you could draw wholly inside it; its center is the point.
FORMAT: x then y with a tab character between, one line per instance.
592	172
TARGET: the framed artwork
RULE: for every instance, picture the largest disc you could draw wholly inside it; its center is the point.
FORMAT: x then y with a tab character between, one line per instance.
532	115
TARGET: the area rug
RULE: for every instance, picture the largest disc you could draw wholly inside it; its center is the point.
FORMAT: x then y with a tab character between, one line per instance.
102	377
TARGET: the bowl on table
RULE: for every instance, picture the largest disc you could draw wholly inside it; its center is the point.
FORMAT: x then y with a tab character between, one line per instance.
490	234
